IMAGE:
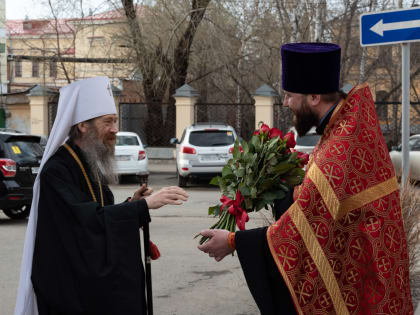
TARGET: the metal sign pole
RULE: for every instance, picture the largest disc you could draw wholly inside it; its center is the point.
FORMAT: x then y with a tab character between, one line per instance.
405	129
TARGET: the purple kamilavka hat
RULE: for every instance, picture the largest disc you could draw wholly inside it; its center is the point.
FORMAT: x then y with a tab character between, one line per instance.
311	68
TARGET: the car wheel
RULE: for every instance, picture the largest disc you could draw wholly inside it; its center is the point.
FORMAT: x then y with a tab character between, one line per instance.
18	213
142	179
182	181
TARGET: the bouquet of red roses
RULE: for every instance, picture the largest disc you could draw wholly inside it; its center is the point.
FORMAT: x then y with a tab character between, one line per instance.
261	170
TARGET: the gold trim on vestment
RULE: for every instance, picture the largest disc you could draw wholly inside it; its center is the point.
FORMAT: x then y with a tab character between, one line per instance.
74	155
318	256
323	186
339	209
369	195
282	271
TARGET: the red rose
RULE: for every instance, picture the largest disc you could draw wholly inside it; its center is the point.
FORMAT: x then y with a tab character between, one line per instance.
264	128
303	157
256	133
274	132
290	140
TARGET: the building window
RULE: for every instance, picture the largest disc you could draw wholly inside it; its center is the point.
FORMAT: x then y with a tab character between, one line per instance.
53	69
18	68
35	69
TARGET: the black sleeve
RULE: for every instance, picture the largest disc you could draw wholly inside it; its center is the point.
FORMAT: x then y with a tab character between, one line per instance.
281	205
55	181
262	275
87	258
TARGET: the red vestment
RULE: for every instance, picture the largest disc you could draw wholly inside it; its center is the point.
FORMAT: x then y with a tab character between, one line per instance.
341	246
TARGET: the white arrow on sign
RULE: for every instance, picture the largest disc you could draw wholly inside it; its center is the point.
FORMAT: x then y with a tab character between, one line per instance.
379	28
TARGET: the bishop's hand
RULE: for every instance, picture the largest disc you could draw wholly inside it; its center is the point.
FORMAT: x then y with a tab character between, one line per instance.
172	195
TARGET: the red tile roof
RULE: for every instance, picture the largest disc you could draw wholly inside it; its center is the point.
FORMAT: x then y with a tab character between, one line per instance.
37	27
64	26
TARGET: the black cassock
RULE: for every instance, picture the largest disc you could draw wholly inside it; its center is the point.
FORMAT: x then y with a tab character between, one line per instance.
261	273
87	258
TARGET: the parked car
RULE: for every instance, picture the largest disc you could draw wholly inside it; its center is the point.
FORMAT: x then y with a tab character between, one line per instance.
130	156
308	142
20	157
203	150
396	157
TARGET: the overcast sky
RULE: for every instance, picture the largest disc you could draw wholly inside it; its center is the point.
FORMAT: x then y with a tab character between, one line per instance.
19	9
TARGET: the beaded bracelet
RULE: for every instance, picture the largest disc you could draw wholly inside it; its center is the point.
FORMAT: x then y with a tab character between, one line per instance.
231	240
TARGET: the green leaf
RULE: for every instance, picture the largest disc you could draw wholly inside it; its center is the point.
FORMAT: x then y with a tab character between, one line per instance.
270	156
293	157
249	181
222	184
267	184
215	210
236	151
226	171
272	143
271	195
293	180
254	192
248	203
283	187
240	172
215	181
245	147
255	141
260	204
245	191
282	168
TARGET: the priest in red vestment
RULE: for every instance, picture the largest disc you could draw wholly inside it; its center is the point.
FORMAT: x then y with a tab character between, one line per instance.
340	247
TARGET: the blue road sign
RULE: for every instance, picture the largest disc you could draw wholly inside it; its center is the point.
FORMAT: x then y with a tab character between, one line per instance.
390	27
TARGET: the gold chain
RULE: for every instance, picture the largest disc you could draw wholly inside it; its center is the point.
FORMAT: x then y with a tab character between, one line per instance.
74	155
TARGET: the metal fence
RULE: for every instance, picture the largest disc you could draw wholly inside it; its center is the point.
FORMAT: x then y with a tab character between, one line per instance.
240	116
52	112
389	114
153	122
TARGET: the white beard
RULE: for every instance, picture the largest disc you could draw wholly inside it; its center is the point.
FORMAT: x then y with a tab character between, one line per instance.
100	157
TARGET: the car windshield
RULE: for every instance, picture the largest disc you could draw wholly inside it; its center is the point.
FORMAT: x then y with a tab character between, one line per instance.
24	151
127	140
211	138
308	140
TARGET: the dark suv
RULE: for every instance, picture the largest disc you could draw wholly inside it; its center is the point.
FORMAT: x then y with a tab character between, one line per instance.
20	157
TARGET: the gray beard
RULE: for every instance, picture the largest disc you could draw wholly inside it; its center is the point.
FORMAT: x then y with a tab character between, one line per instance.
99	157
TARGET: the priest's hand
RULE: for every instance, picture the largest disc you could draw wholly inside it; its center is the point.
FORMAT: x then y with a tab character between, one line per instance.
142	192
172	195
217	246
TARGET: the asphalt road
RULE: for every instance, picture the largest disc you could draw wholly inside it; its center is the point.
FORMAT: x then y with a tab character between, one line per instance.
185	281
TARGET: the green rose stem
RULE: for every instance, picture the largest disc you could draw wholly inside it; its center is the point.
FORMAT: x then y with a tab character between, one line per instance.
226	222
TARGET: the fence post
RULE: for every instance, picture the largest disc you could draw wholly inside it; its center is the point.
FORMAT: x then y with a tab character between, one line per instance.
185	99
39	97
264	98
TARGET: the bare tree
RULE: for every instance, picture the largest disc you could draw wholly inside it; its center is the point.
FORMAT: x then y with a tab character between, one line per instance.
164	67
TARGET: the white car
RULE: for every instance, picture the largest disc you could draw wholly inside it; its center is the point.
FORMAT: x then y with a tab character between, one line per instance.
396	157
307	143
203	150
130	156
